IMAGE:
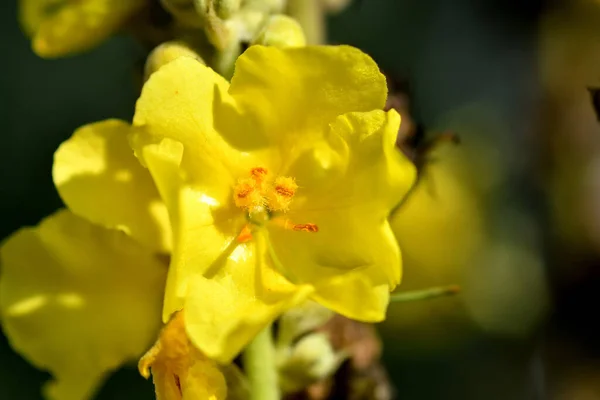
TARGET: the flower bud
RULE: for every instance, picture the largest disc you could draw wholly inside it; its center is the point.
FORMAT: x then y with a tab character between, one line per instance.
167	52
281	31
310	360
300	320
214	26
226	8
246	24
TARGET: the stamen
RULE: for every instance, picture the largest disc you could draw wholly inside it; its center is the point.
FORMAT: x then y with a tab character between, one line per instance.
244	191
245	235
287	224
259	195
285	186
258	173
306	227
247	195
283	191
280	197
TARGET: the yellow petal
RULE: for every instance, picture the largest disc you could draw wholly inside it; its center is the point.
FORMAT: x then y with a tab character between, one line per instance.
294	93
360	165
188	102
188	138
78	301
203	227
225	311
350	255
348	189
64	27
354	296
99	178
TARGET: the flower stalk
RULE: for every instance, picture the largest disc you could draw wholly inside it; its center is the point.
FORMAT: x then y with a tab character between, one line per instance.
311	16
260	367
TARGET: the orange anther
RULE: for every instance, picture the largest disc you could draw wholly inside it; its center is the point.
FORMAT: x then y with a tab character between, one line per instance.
258	173
306	227
260	191
245	235
284	191
246	194
244	191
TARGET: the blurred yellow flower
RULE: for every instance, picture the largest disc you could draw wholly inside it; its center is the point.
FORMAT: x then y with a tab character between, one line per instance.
62	27
443	212
278	185
81	294
78	300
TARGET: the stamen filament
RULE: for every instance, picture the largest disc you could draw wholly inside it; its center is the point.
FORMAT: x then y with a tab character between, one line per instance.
245	235
306	227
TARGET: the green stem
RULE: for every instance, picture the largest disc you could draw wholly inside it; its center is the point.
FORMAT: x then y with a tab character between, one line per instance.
311	16
224	60
259	364
425	294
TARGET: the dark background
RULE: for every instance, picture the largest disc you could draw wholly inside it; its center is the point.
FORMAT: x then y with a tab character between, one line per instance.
511	78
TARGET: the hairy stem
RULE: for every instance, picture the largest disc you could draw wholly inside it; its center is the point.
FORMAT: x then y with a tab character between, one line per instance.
259	364
311	16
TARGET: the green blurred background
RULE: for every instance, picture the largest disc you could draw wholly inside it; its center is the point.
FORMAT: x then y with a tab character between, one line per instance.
512	214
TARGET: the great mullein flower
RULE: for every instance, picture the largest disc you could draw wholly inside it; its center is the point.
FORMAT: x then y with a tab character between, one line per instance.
62	27
81	293
265	192
279	186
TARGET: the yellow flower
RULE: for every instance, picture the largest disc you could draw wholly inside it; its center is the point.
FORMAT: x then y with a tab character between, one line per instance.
278	185
63	27
81	294
448	211
78	300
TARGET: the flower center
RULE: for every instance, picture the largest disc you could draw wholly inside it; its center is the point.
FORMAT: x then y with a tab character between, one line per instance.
261	197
